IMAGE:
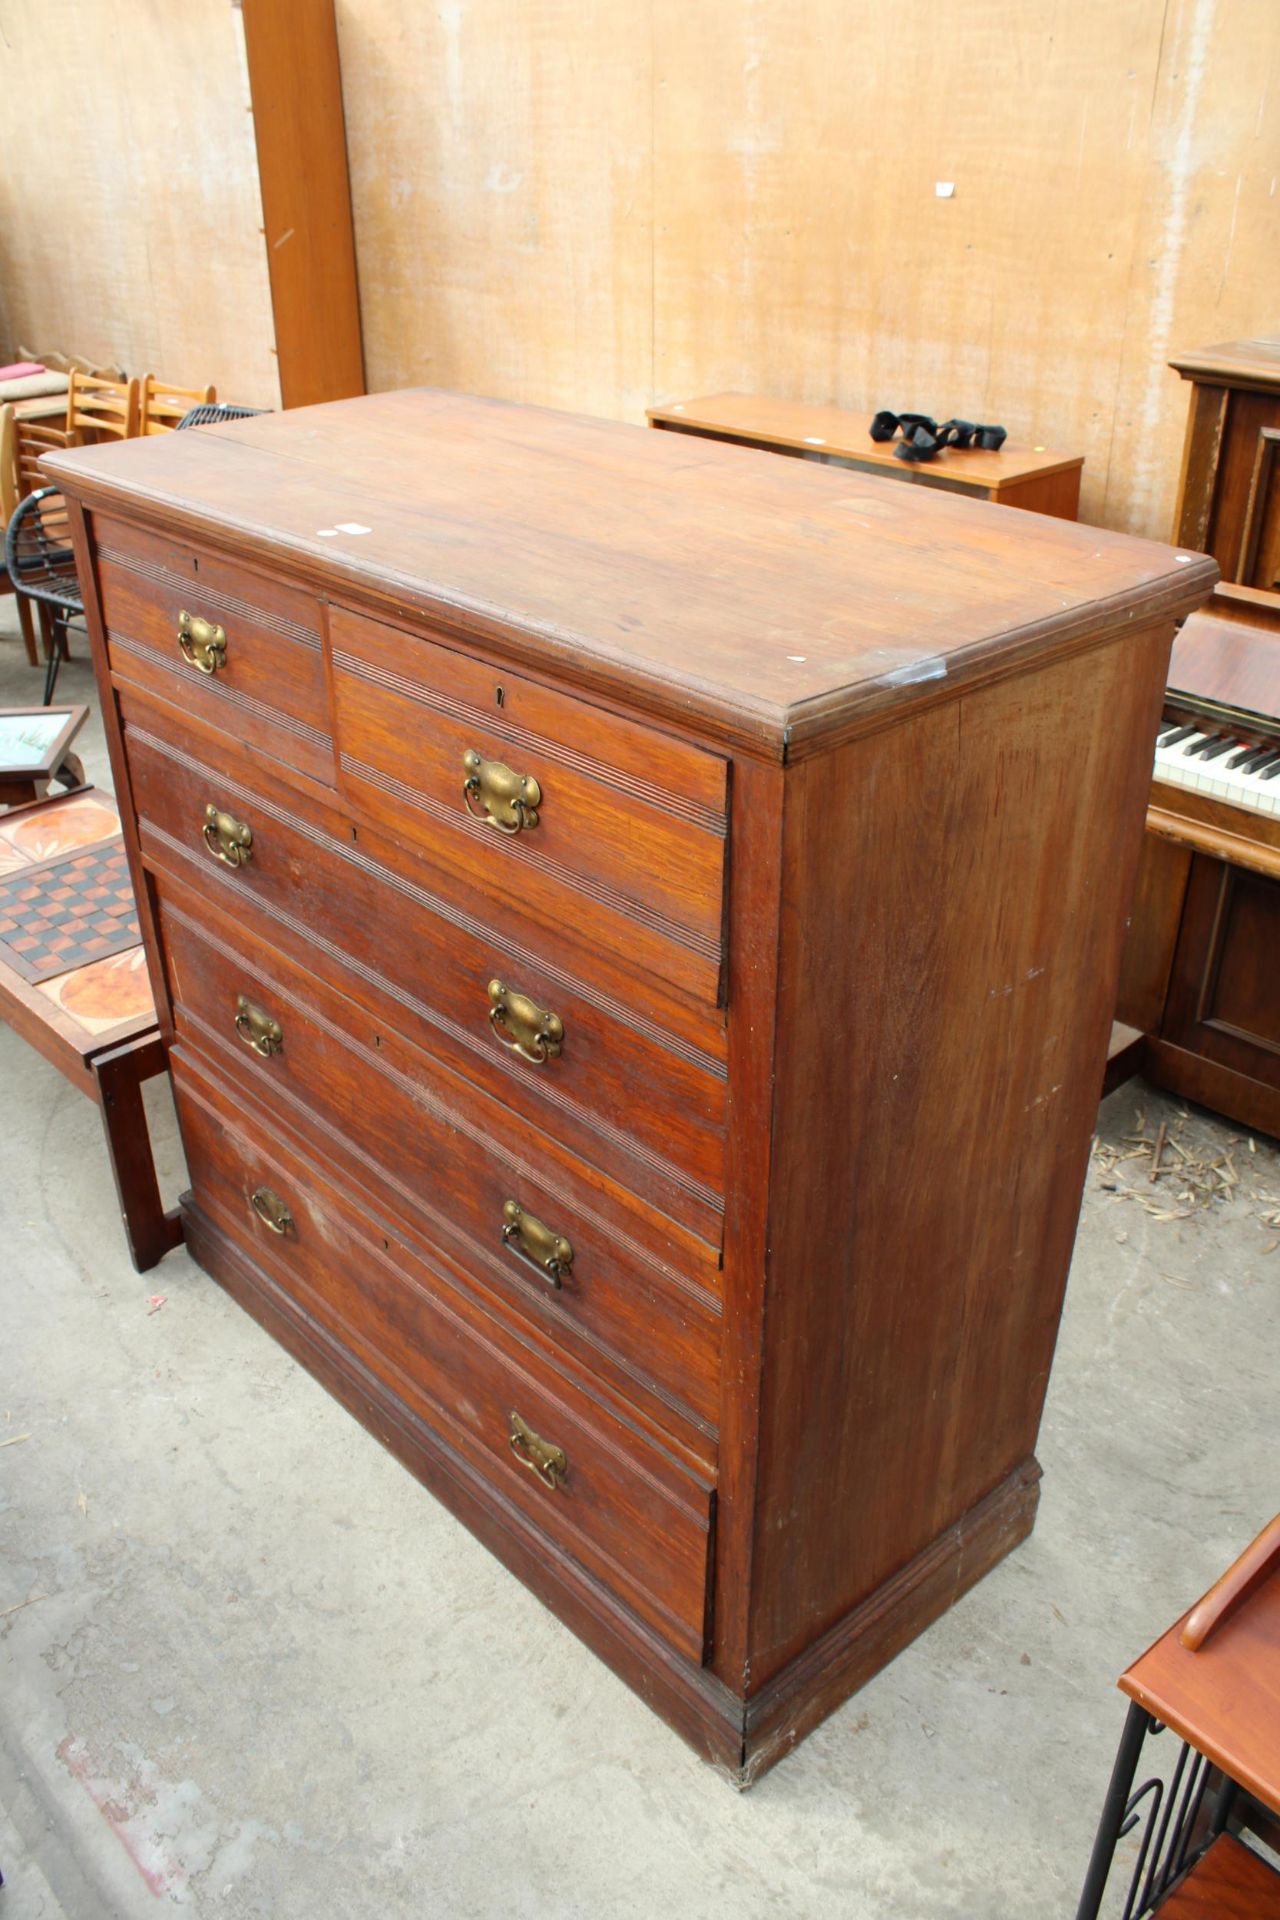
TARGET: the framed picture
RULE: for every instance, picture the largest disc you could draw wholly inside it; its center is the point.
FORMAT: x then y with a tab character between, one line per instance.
34	741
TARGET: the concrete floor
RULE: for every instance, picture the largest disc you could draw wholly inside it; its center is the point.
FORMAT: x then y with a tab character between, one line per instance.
249	1667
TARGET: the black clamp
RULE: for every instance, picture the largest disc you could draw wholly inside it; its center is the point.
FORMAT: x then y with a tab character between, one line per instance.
924	439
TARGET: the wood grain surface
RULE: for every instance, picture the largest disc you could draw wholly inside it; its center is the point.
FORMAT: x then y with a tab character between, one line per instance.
821	1185
630	206
770	603
962	926
627	1090
661	1322
1233	363
630	1513
1225	1697
1229	1882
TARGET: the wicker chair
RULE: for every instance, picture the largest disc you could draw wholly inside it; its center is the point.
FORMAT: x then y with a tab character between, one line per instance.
42	566
218	410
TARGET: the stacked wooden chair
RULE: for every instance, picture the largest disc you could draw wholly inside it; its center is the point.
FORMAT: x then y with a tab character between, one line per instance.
163	407
39	567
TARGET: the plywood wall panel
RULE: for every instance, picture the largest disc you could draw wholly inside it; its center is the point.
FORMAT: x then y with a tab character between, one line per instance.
501	186
596	206
833	271
130	222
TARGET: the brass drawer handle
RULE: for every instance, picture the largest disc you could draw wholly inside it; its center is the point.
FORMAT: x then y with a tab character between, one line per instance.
538	1455
257	1029
522	1025
227	838
541	1246
202	643
508	801
271	1210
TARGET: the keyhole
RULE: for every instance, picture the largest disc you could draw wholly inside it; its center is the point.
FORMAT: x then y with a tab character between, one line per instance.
500	695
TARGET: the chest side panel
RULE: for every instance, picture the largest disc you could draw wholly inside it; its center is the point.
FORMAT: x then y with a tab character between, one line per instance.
954	897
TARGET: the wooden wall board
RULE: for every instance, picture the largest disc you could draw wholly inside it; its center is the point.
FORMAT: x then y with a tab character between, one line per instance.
597	206
832	266
600	207
130	221
502	185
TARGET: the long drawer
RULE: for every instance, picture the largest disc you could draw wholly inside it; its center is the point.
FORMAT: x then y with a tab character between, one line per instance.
616	831
236	647
593	1484
506	1199
623	1091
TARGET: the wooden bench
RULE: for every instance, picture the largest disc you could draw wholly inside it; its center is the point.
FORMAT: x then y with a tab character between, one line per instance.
74	982
1030	477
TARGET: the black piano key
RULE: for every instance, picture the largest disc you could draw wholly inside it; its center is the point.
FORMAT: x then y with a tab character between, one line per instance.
1180	733
1270	770
1216	748
1165	731
1238	759
1194	748
1256	758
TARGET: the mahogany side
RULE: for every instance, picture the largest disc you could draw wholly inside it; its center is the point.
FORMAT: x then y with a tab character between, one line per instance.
959	930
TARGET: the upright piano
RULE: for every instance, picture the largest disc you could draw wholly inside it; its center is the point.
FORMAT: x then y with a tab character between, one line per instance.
1200	987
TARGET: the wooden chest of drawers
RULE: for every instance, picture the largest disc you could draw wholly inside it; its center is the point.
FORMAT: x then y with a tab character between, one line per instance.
637	927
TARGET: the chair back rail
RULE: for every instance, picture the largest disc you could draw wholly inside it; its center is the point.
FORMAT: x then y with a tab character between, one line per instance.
163	405
107	408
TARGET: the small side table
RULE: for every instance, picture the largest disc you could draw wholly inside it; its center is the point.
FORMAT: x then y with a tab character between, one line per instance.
1030	477
73	981
1213	1680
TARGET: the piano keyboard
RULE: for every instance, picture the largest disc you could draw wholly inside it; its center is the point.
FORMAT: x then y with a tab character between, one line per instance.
1215	761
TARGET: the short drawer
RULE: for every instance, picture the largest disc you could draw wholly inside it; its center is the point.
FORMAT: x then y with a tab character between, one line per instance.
623	1091
615	832
238	649
499	1195
591	1483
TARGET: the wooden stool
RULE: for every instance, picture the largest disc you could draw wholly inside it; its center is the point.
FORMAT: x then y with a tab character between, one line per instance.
73	981
1214	1680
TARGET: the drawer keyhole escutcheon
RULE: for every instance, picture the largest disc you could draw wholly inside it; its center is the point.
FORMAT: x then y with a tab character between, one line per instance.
538	1455
257	1029
271	1210
528	1029
202	643
227	838
542	1247
504	800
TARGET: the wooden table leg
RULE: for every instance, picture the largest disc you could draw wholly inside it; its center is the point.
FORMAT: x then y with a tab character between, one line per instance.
28	629
119	1074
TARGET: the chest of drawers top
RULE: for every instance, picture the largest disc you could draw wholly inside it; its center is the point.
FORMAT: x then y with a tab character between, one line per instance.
770	610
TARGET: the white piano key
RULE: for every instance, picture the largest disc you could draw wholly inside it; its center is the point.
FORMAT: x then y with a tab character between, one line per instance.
1180	766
